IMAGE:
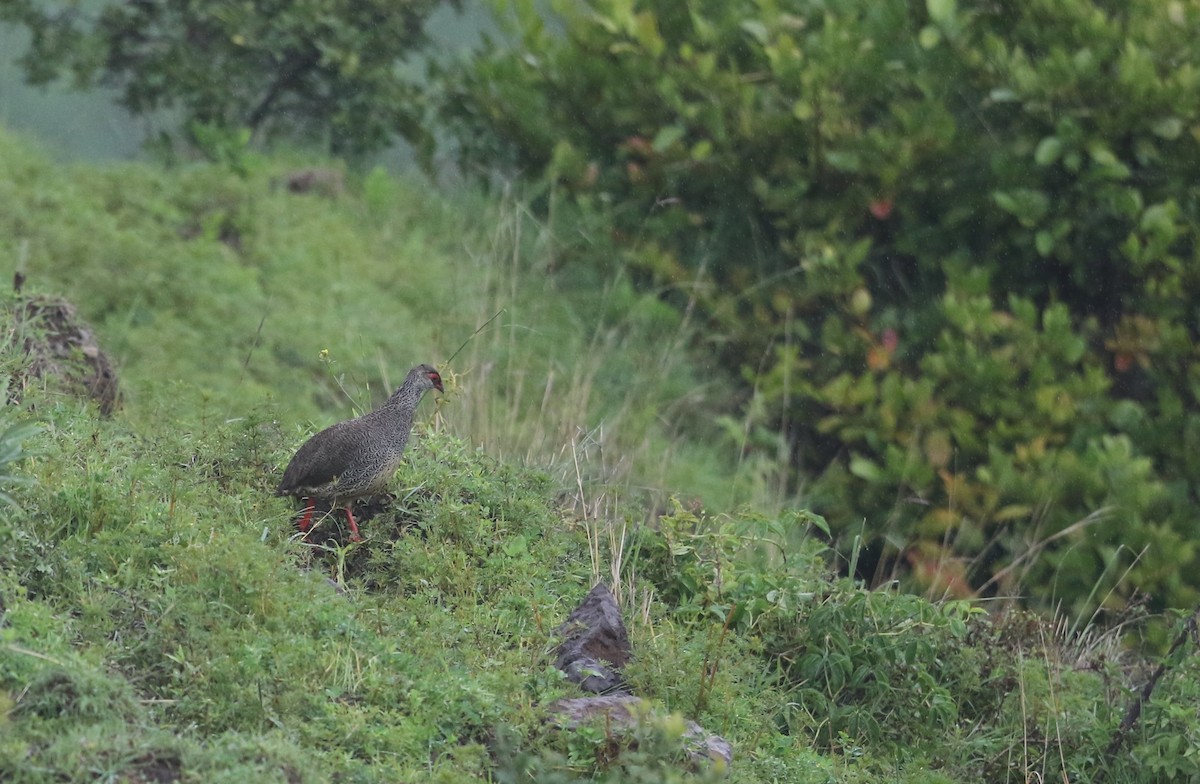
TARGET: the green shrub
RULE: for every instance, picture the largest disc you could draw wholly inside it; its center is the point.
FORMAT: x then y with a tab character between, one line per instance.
951	244
852	661
943	687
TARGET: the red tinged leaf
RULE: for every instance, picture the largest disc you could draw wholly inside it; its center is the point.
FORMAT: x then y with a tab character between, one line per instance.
878	358
638	145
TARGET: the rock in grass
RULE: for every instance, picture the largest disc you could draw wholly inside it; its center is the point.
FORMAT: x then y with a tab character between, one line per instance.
625	711
595	644
60	351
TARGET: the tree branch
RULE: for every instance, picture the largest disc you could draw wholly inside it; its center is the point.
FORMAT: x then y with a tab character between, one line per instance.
290	73
1134	711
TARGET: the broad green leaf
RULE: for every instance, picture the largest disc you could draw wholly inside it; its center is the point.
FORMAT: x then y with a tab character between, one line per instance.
1027	205
941	11
1044	241
805	517
1102	155
756	29
1168	128
1160	220
646	32
843	161
666	137
1048	151
517	545
1110	165
865	469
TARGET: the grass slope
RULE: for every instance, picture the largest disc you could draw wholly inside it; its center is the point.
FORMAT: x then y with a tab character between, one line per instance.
218	294
160	622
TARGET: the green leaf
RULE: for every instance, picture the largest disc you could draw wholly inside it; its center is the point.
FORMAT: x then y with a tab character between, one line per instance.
756	29
1110	165
1012	512
517	545
1028	205
666	137
1048	151
865	469
1102	155
843	161
942	11
1044	241
1168	128
646	31
1126	415
1159	219
805	517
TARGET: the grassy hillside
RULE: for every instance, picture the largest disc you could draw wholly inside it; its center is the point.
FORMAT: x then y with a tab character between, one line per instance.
160	621
218	294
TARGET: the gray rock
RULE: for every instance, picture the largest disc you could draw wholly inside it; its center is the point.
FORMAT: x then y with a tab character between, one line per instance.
618	708
595	647
703	746
595	644
625	710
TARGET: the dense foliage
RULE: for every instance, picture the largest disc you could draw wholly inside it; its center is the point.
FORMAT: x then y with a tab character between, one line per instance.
952	244
329	71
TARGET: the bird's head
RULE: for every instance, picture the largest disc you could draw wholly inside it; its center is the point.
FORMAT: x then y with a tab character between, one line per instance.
427	376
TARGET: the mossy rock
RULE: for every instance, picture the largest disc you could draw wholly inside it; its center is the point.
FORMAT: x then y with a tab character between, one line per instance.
60	351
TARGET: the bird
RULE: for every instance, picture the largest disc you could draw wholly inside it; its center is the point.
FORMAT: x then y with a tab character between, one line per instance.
356	458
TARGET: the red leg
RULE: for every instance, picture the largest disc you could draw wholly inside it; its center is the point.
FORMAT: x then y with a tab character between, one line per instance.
305	522
354	537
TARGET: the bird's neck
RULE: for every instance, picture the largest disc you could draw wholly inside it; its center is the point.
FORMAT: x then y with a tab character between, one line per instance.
405	398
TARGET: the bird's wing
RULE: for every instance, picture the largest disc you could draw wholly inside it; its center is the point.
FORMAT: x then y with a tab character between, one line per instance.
315	463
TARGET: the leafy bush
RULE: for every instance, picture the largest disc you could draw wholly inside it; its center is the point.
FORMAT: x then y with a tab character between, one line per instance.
852	661
739	569
952	245
942	685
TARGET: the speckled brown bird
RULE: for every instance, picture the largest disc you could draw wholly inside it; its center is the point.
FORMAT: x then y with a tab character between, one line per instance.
357	458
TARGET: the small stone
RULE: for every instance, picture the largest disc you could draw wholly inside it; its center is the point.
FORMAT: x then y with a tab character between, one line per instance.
625	710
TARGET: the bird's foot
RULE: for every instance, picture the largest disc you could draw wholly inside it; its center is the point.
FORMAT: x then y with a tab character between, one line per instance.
354	535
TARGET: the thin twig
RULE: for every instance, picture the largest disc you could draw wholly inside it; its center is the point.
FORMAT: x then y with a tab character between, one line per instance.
25	651
250	351
1037	547
476	332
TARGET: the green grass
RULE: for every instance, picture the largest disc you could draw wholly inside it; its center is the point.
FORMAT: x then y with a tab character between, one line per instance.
160	622
218	294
